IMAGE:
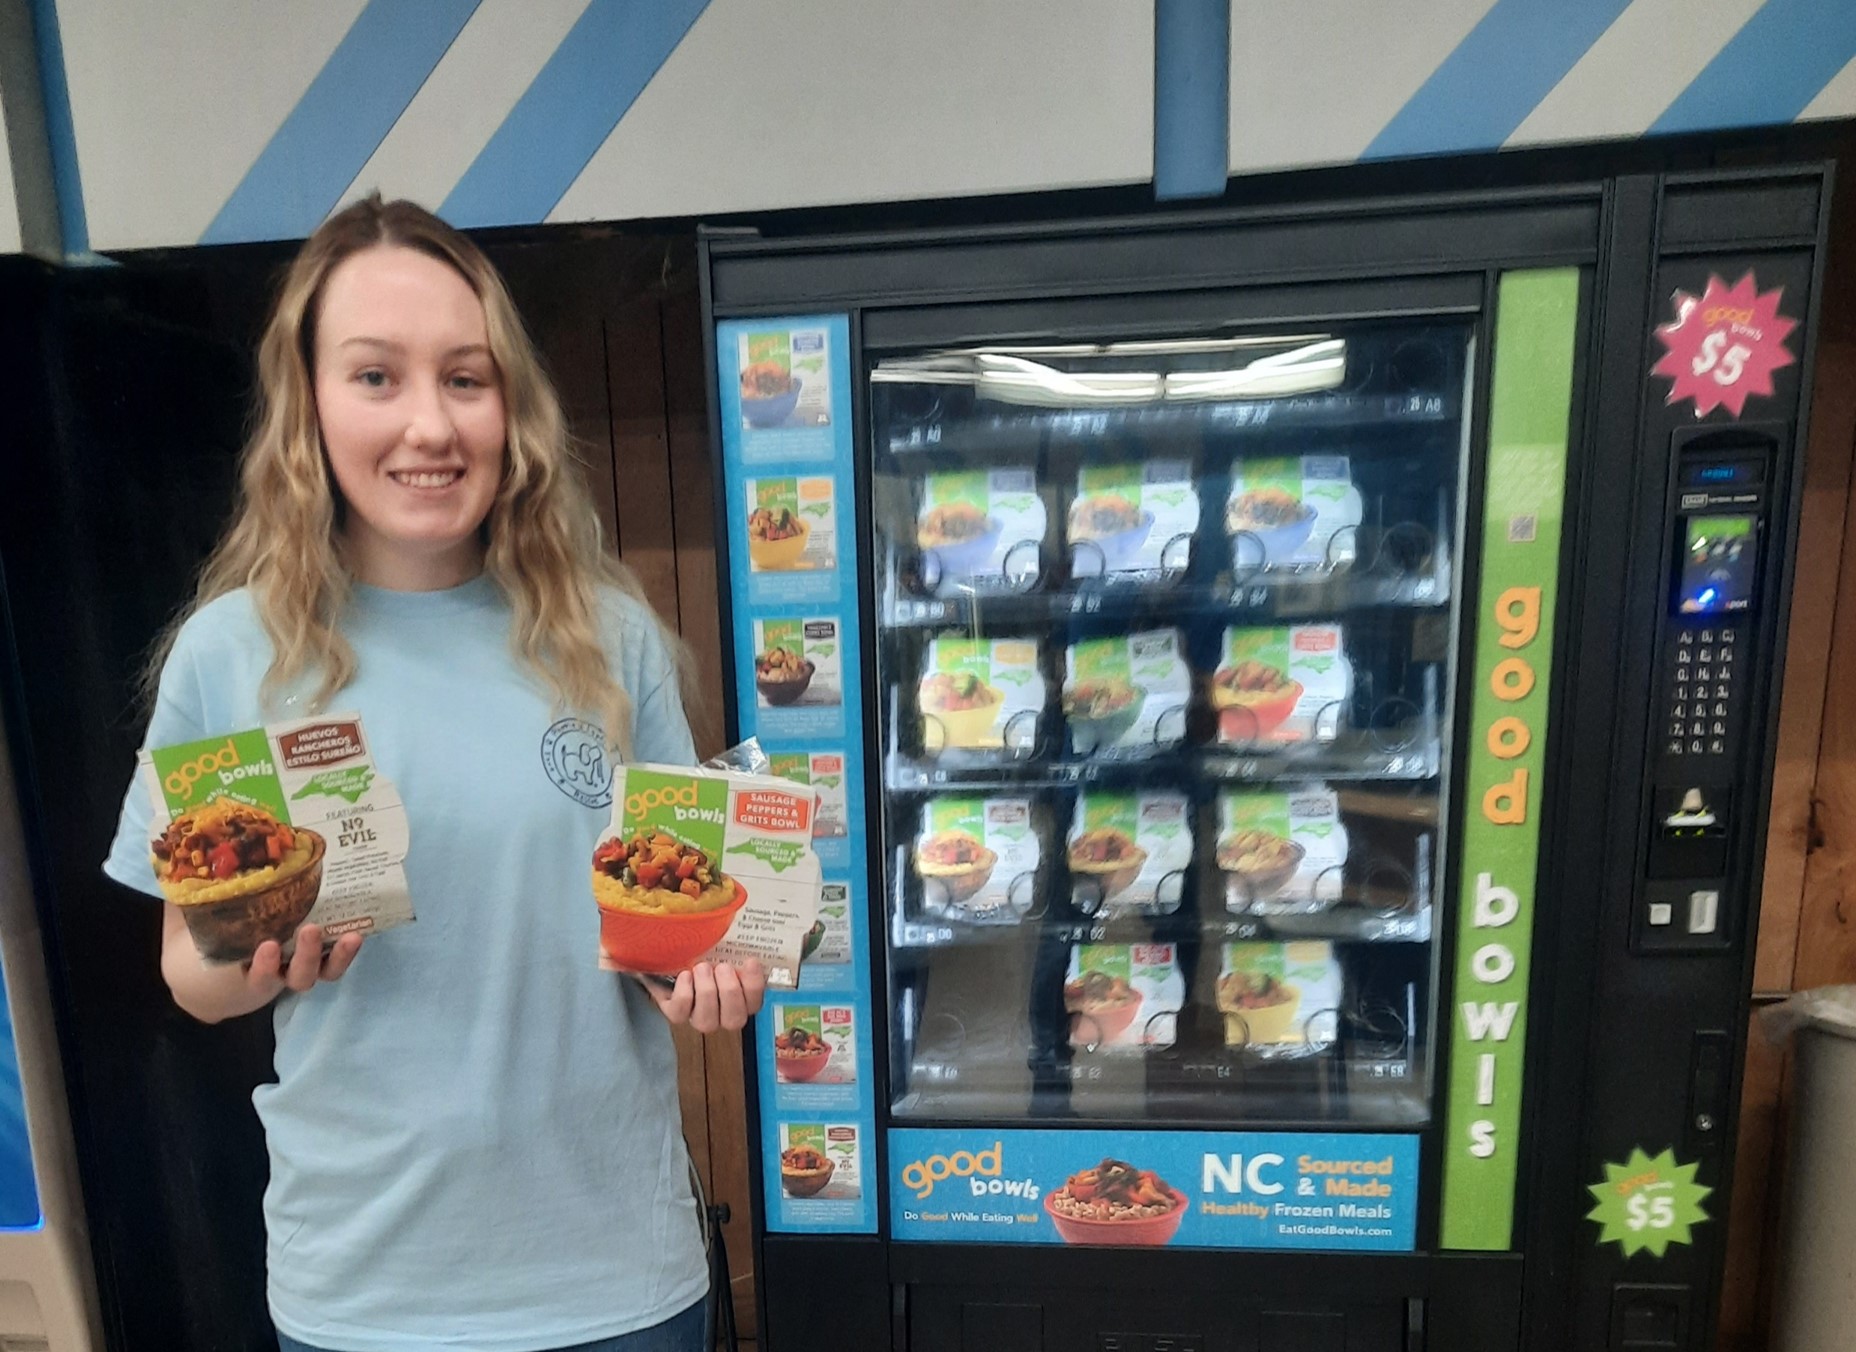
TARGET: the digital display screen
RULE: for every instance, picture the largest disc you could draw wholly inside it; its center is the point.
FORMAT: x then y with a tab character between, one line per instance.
1722	473
1718	557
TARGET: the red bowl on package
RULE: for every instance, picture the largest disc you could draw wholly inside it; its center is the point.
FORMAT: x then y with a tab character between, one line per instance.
800	1069
1146	1231
1252	720
1095	1028
666	944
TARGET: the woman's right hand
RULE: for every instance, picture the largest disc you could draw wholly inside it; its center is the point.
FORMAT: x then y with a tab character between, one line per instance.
215	992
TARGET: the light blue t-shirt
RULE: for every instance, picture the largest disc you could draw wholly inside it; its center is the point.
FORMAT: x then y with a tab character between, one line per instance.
474	1134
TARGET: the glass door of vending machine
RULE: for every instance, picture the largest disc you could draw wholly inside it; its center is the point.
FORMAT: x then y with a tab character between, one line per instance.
1166	646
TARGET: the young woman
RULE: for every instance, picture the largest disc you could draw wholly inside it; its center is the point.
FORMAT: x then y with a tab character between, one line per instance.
474	1133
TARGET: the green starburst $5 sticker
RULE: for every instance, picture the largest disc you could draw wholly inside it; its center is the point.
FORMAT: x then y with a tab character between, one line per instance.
1648	1202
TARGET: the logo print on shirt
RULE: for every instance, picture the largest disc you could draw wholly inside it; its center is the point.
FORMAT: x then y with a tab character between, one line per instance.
573	752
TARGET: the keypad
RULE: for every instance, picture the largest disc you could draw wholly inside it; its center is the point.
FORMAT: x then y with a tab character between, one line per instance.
1704	676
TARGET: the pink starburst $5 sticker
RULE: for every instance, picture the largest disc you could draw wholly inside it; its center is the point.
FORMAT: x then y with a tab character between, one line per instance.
1724	345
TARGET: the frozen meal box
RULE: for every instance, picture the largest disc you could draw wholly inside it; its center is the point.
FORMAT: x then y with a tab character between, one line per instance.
1129	851
1127	693
1123	997
1279	999
256	833
979	857
705	864
980	693
1133	519
981	528
1281	849
1278	685
1292	512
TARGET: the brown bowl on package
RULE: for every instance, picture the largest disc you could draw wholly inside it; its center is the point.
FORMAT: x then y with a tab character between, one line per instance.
804	1172
1107	857
239	876
782	675
1260	862
955	862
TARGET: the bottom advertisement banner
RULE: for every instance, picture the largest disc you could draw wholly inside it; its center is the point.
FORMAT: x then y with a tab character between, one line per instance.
1223	1190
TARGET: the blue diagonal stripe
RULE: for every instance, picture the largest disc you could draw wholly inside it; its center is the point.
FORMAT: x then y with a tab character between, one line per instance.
1192	97
390	50
1496	76
67	183
566	114
1770	70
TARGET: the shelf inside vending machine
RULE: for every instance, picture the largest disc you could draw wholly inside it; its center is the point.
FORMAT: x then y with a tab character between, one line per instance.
1164	665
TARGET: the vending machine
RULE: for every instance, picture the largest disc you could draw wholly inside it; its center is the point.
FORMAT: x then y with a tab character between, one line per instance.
1291	694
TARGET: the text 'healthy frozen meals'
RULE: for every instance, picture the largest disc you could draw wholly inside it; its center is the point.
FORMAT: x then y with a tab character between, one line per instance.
1281	850
699	863
1133	521
981	694
1281	685
980	529
978	858
1129	851
1292	512
1127	693
260	832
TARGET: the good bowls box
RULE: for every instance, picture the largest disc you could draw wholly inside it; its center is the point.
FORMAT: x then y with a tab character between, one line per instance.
745	843
256	833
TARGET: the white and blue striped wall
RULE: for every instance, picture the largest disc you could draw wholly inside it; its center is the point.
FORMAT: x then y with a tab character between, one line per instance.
206	121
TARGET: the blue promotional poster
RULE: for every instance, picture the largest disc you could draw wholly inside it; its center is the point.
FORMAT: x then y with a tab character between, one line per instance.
1223	1190
19	1192
785	388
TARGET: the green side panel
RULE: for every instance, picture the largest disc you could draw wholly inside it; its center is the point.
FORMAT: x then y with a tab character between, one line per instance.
1530	418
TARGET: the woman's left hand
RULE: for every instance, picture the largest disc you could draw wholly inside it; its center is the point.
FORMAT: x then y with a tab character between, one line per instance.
713	996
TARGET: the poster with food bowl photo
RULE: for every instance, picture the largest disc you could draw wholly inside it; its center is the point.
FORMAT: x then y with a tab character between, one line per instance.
1146	1189
820	1162
785	378
814	1044
792	525
799	676
701	864
1281	685
823	772
256	833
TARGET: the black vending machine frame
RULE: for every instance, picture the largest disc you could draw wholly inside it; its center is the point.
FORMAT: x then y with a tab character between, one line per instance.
1590	1097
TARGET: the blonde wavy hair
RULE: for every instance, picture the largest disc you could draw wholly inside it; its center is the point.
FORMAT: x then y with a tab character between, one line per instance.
542	541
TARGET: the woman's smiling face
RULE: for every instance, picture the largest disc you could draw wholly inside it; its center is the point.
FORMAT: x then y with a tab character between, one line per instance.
411	408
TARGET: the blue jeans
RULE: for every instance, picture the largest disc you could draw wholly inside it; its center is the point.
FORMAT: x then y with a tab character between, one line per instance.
686	1332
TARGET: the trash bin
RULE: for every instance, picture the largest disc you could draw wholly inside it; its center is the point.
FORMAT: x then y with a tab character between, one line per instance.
1817	1255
